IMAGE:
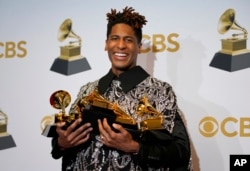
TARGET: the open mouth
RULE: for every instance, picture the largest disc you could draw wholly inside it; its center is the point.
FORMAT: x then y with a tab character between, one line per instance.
120	56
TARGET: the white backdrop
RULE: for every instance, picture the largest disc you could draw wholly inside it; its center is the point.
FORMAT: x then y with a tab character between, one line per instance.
30	28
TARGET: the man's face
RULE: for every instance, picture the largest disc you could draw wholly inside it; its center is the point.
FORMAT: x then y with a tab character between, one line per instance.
122	47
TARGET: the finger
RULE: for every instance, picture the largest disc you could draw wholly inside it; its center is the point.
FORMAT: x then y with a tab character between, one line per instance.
102	137
77	137
103	133
60	124
74	130
118	127
82	134
59	127
101	130
106	126
74	125
83	140
109	134
81	131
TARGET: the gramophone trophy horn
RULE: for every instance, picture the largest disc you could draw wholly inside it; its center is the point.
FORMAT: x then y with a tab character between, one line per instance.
227	22
65	31
60	100
70	60
234	54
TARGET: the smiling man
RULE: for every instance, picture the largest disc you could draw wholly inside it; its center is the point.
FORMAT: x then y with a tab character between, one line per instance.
115	147
122	47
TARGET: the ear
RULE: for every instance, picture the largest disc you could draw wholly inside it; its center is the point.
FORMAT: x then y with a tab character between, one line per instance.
105	48
139	47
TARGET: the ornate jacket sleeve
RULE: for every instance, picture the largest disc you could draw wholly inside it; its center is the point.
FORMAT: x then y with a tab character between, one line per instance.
169	148
164	149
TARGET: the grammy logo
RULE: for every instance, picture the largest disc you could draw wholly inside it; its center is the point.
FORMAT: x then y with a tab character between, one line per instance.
234	54
6	140
70	60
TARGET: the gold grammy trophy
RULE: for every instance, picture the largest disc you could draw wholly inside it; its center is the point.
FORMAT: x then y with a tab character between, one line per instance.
94	107
70	60
58	100
234	54
6	140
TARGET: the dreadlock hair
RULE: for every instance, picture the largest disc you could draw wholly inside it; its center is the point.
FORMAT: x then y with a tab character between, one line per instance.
128	16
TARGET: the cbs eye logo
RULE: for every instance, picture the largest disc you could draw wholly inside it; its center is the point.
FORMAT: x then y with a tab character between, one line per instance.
209	126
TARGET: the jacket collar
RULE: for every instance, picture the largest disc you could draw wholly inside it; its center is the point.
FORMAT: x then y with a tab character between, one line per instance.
129	79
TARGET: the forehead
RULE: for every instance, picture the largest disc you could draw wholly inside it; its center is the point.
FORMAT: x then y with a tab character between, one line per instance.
122	30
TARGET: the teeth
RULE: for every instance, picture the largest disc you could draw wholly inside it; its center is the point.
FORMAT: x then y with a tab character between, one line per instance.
120	54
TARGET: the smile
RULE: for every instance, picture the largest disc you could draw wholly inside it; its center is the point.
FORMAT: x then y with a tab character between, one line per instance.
120	54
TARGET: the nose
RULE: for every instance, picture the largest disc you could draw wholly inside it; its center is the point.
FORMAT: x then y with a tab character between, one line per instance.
121	44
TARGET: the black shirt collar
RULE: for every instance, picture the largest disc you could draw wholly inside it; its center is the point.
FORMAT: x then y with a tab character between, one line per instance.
129	79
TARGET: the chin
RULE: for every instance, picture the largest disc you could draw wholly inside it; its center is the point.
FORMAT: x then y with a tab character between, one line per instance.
121	68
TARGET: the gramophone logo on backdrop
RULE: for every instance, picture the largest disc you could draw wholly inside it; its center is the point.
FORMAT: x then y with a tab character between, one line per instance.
70	60
6	140
234	54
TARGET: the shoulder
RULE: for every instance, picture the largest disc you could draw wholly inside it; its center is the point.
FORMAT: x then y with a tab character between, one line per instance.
158	90
85	90
155	83
159	93
88	88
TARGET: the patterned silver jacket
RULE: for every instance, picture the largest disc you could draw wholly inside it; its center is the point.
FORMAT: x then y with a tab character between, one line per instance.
169	150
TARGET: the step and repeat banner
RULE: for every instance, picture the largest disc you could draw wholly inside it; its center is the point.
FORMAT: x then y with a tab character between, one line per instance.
200	47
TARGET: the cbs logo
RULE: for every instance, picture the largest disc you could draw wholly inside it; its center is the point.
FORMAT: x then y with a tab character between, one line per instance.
11	49
209	126
161	43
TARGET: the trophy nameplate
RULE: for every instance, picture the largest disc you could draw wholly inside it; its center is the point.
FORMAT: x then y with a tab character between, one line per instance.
234	54
6	140
70	60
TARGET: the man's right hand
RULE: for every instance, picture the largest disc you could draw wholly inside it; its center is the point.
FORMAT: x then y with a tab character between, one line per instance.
74	135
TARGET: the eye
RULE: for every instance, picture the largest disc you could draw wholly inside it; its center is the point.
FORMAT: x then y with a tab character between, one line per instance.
114	38
208	126
129	40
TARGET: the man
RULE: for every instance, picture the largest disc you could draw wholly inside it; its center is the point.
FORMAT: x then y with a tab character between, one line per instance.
125	84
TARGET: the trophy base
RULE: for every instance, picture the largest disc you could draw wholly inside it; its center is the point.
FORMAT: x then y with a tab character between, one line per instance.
6	141
230	62
69	67
49	131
